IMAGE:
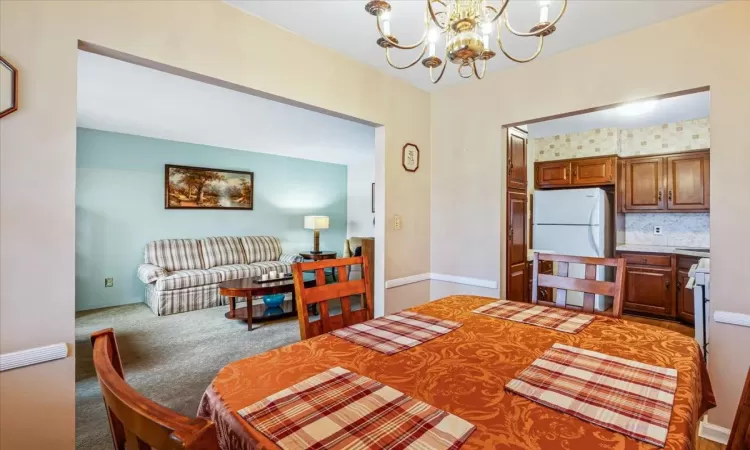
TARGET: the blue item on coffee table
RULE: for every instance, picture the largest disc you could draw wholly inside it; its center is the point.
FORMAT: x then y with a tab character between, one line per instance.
273	300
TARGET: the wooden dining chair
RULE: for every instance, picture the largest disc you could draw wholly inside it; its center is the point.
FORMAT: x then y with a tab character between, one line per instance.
590	286
739	437
137	422
322	293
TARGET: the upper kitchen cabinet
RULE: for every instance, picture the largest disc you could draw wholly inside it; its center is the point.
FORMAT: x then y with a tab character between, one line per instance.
595	171
667	183
688	182
644	184
517	168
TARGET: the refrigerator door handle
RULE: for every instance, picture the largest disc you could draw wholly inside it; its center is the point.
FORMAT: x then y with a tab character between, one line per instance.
591	230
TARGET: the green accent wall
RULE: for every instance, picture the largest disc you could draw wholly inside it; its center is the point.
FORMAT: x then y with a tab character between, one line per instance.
120	206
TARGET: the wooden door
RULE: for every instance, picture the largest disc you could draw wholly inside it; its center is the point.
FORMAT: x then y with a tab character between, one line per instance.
644	184
552	174
517	169
649	290
685	299
593	171
516	249
688	182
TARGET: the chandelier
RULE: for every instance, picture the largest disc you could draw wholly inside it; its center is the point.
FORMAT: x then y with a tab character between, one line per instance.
467	26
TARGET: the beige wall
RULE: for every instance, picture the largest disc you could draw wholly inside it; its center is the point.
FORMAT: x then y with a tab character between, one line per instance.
37	162
704	48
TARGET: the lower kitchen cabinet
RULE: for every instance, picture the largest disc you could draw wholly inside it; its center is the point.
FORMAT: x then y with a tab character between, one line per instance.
545	294
649	290
685	299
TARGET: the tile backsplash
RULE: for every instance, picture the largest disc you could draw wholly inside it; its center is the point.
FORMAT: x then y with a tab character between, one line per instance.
679	229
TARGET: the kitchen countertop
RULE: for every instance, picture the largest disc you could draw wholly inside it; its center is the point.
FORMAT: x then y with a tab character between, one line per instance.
686	251
530	253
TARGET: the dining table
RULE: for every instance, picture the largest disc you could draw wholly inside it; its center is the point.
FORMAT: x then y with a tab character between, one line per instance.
464	372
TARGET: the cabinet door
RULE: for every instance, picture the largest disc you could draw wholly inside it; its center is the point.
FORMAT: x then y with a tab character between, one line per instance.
593	171
553	173
649	290
688	182
644	184
517	171
516	249
544	293
685	305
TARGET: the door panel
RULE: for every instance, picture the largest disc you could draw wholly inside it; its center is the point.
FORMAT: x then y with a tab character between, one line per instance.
649	290
688	182
553	173
644	185
517	144
685	300
593	171
516	246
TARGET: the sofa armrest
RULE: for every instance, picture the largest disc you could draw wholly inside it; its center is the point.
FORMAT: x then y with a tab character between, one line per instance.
148	273
290	258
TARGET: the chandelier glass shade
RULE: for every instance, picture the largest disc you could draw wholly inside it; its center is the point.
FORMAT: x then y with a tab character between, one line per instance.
467	26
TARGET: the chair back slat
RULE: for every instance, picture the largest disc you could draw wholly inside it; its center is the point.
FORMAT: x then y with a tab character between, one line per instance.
739	437
135	421
589	285
321	294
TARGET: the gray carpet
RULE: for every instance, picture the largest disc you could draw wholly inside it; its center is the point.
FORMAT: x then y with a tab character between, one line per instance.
170	359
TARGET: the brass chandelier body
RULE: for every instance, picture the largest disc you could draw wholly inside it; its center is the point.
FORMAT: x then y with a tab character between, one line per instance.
467	26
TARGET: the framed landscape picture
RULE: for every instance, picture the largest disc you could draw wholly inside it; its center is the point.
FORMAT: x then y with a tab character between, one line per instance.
201	188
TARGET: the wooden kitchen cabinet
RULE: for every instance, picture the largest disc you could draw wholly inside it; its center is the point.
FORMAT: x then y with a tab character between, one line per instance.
688	181
670	183
649	290
685	300
516	274
517	169
593	171
545	293
597	171
644	184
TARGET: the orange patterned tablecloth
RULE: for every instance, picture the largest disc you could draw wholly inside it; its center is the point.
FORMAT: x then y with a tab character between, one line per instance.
464	372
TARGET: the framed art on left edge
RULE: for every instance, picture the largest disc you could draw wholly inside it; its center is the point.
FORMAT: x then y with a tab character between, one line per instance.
202	188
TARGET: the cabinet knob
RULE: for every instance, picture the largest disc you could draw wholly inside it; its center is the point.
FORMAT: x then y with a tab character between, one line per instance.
670	195
667	284
659	194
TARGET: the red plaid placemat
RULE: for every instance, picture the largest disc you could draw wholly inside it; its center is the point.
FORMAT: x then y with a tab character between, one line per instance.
629	397
397	332
542	316
341	409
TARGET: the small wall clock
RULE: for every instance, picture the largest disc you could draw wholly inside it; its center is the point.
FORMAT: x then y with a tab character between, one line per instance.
8	88
410	157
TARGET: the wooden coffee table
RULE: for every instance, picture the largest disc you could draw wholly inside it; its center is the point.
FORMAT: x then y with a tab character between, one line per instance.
248	288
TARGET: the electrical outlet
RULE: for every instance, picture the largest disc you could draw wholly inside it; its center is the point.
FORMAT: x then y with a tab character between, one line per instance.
397	223
109	282
658	230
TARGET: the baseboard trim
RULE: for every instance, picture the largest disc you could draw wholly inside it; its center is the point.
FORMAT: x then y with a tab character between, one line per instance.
714	433
411	279
489	284
38	355
732	318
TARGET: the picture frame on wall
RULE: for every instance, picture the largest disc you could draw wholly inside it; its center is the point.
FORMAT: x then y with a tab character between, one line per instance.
410	157
188	187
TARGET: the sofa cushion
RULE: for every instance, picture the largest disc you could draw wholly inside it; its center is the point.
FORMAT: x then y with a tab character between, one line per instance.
267	266
174	254
261	248
187	278
236	271
222	251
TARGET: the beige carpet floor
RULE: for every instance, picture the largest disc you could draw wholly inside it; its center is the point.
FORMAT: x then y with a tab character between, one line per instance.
170	359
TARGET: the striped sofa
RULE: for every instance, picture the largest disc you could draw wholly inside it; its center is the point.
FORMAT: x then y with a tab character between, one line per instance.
183	274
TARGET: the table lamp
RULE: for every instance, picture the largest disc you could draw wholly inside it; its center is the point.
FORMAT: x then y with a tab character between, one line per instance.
316	223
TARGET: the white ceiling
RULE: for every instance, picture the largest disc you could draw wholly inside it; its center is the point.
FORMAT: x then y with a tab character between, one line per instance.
125	98
345	26
668	110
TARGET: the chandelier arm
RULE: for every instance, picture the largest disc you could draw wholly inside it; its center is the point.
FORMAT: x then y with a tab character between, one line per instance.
434	15
442	71
397	45
476	72
540	31
538	50
388	58
497	12
465	64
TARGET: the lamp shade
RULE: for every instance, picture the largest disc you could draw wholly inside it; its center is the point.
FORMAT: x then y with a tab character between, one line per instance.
316	222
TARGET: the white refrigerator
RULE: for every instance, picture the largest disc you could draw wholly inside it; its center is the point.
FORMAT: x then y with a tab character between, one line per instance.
576	222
